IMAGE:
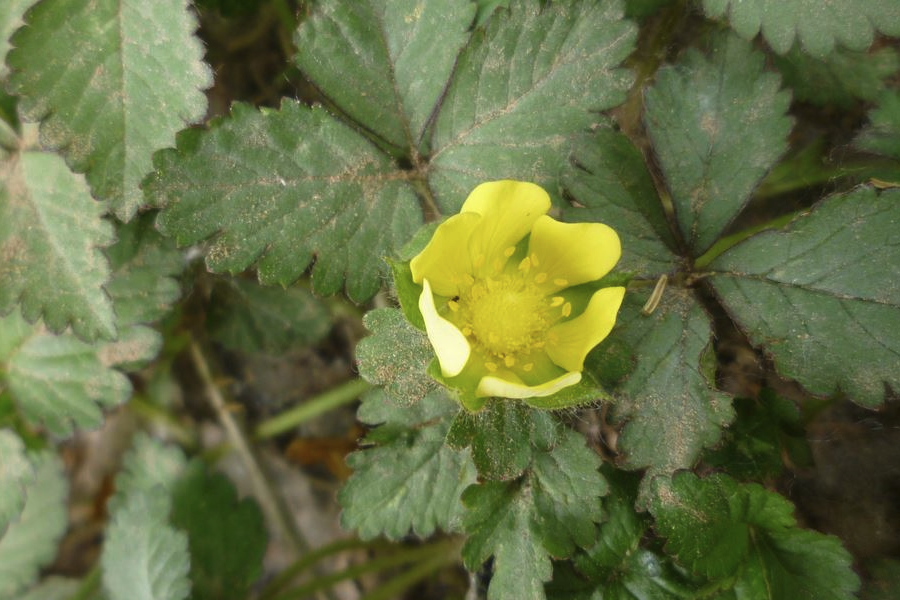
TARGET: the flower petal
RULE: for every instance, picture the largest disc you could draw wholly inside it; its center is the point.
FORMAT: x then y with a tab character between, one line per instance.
509	210
444	261
572	253
569	342
504	388
450	345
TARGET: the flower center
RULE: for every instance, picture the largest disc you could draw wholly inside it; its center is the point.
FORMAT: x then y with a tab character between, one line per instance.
506	317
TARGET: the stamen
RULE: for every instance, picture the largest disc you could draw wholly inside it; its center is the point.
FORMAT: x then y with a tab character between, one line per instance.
454	305
509	251
567	309
492	367
525	264
509	361
556	301
534	260
540	278
469	279
467	331
528	367
561	282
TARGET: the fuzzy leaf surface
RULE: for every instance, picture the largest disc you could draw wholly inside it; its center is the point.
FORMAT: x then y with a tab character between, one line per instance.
148	464
817	25
51	239
396	355
11	18
411	480
717	123
226	537
113	80
247	317
830	280
671	409
144	558
59	381
611	183
30	542
15	472
720	528
275	188
384	62
522	88
882	136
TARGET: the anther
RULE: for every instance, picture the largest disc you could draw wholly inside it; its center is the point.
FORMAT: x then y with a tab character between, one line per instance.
525	264
560	282
454	305
534	260
491	367
509	251
509	361
567	309
528	367
557	301
540	278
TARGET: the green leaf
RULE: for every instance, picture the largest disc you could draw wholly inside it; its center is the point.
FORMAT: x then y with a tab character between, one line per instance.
488	8
720	529
148	465
412	481
226	537
882	136
817	286
247	317
818	25
521	523
670	408
58	380
503	436
276	187
51	241
385	62
611	184
54	588
114	81
15	472
640	9
840	78
30	542
522	88
143	557
395	356
718	124
11	18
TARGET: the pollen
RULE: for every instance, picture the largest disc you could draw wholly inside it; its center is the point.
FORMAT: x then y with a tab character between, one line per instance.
525	265
509	361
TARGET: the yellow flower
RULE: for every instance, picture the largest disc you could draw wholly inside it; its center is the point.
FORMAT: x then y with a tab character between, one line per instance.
502	296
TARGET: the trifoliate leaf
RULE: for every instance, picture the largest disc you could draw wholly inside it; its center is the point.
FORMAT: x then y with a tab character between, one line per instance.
145	264
503	436
395	356
115	80
882	136
818	25
522	88
147	465
59	381
671	409
247	317
523	522
10	20
720	528
30	542
412	481
610	183
276	187
226	537
15	473
143	557
718	124
51	241
817	286
840	78
385	62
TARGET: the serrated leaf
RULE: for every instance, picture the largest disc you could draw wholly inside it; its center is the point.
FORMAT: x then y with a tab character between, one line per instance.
11	18
276	187
817	25
670	408
717	123
115	80
522	88
804	292
395	356
30	542
720	528
143	557
882	136
148	465
59	381
227	537
412	481
247	317
840	78
521	523
612	185
15	473
385	62
51	241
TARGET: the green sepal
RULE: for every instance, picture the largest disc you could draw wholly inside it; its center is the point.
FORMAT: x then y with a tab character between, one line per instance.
466	396
408	292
